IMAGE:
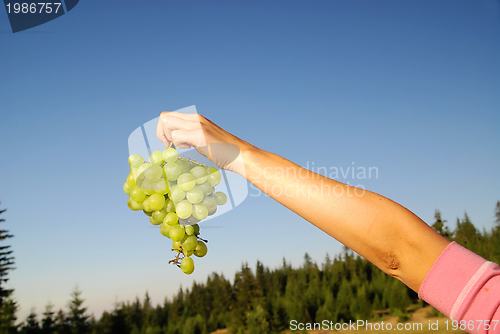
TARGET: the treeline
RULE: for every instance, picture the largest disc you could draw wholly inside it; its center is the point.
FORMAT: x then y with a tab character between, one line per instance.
264	300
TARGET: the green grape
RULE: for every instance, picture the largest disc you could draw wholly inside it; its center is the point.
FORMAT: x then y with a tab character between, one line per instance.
154	222
148	186
141	169
177	233
156	202
126	188
185	166
172	171
207	188
131	180
183	209
186	182
199	173
190	243
162	231
201	249
176	245
184	237
156	157
169	206
221	198
147	213
153	173
159	215
196	228
187	253
195	195
187	265
135	160
146	205
189	230
214	178
200	211
171	219
138	194
166	229
170	154
133	205
192	220
176	194
160	186
211	203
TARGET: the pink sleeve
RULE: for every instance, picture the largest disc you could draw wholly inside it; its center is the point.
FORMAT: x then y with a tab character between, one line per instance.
464	286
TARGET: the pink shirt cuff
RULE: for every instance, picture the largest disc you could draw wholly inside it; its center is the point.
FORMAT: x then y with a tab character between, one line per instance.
464	286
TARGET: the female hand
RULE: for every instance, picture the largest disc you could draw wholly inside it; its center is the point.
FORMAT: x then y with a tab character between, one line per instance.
213	142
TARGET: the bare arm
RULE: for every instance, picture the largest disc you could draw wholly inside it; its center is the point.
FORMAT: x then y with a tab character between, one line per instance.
382	231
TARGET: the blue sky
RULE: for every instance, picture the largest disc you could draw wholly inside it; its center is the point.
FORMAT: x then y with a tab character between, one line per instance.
410	88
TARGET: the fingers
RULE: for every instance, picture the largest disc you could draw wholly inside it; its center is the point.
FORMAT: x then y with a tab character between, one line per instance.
188	138
170	122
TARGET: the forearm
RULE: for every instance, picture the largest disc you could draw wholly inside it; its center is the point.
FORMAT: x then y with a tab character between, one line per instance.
382	231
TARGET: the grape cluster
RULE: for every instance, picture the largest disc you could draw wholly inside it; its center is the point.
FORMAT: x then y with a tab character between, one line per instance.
176	193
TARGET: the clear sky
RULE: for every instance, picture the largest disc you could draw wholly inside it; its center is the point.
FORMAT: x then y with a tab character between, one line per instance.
409	87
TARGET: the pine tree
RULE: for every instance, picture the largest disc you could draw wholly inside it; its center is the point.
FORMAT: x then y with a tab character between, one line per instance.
497	215
77	318
31	325
6	262
439	227
48	320
8	306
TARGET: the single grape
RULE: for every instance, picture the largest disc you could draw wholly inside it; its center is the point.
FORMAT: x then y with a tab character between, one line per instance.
196	228
186	182
189	230
199	173
177	233
133	205
195	195
214	178
154	222
184	237
162	231
211	203
200	211
153	173
176	245
148	186
185	166
177	194
171	219
146	205
156	157
159	215
187	265
190	243
131	180
147	213
201	249
183	209
135	160
126	188
138	194
187	253
169	206
172	171
170	154
192	220
207	188
221	198
160	186
156	202
141	169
